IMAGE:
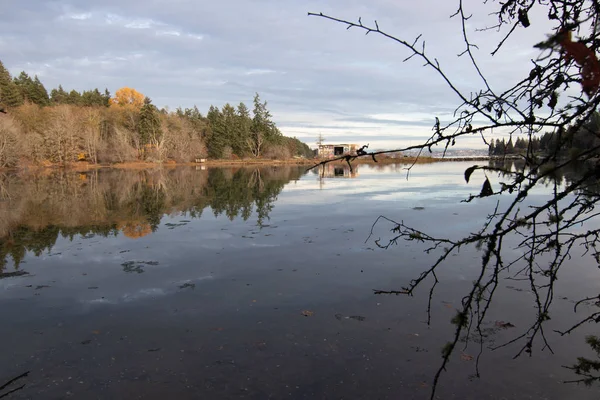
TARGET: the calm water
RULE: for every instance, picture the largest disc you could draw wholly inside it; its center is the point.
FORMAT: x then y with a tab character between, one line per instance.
257	284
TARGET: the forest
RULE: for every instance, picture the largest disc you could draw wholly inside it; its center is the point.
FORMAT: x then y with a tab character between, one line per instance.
65	127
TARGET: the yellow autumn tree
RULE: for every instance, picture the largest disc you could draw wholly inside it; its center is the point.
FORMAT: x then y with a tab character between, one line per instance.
128	97
135	229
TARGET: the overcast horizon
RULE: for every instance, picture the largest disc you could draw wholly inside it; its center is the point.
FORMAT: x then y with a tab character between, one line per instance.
316	76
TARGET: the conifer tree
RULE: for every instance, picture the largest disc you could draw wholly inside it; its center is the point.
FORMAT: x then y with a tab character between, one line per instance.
149	127
26	86
243	125
59	96
106	98
10	95
491	147
74	97
216	142
509	146
39	93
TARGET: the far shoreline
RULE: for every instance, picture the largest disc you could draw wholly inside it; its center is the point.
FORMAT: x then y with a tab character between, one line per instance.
306	162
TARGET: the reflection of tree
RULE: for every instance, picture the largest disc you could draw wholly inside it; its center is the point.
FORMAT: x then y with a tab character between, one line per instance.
152	200
135	230
564	175
23	239
245	189
37	209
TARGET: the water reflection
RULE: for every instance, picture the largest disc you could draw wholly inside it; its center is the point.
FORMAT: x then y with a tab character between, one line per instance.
231	306
35	210
560	176
337	170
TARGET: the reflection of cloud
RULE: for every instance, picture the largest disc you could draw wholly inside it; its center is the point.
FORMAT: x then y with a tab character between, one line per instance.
216	236
145	293
100	301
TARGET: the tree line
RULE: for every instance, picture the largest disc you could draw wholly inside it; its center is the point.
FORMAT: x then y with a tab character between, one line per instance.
62	127
570	143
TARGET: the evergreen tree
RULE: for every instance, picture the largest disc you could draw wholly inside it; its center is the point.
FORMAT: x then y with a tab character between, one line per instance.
26	86
510	148
520	144
92	98
149	127
229	129
59	96
263	129
243	127
87	98
491	147
39	93
535	144
216	142
500	147
74	98
106	98
10	94
298	148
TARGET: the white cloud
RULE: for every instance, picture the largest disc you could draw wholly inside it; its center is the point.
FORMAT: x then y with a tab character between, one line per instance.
79	16
195	36
260	71
140	24
169	33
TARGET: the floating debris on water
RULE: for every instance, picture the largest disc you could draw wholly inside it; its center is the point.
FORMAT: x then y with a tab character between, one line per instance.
13	274
188	285
136	266
360	318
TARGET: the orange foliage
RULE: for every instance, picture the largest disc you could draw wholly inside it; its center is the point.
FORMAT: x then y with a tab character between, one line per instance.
135	230
128	97
585	58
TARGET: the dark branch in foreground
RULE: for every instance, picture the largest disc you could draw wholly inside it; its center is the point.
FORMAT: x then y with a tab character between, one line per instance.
10	382
523	239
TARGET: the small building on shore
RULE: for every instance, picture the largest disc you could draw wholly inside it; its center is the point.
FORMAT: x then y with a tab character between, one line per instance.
336	150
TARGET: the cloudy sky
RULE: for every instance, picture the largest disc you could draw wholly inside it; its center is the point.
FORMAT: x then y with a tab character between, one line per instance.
317	76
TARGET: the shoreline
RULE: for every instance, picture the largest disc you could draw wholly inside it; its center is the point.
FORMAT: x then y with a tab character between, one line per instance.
85	166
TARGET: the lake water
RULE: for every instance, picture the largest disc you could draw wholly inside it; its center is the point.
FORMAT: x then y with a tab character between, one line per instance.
257	283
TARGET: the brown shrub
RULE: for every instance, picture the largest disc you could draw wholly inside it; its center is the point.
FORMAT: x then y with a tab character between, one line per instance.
277	152
11	147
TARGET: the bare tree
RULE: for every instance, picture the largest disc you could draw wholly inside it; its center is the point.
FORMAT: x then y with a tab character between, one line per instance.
10	145
91	133
61	138
179	134
548	230
255	143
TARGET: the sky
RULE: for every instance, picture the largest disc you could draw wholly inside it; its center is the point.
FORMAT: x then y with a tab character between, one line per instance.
317	77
